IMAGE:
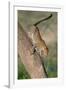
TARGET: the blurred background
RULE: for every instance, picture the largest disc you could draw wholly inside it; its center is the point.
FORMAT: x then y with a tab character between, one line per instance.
48	31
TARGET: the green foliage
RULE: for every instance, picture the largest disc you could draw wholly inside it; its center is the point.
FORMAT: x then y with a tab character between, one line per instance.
51	67
22	73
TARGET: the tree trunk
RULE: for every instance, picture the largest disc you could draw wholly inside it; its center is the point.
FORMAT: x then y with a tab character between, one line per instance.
32	62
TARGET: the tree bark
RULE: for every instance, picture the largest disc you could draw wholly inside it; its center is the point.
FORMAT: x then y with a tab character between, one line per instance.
32	62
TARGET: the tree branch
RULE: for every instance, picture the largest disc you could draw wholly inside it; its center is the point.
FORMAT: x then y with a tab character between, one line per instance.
32	62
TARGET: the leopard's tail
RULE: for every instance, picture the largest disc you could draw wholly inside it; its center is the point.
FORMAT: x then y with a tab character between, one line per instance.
42	20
